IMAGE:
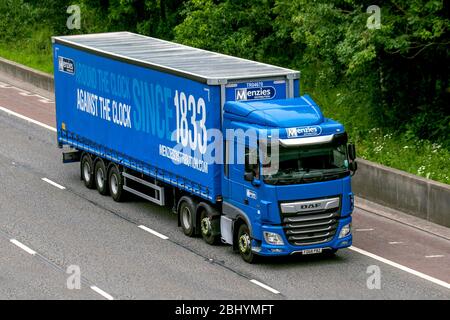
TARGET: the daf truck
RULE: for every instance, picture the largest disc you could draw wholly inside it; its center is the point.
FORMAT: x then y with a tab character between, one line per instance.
228	144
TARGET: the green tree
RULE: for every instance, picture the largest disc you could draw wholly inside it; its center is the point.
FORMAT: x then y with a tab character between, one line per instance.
398	72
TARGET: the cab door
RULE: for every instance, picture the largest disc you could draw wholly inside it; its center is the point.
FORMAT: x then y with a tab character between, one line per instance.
243	179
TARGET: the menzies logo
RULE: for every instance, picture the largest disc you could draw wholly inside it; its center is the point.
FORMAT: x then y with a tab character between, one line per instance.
304	131
245	94
66	65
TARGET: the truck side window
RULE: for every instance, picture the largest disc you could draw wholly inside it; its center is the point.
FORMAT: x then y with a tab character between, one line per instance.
252	161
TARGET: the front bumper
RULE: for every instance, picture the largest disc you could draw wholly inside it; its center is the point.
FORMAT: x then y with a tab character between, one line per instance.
264	249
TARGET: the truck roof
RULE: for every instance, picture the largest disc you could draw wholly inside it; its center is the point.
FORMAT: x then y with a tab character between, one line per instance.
293	119
283	113
197	64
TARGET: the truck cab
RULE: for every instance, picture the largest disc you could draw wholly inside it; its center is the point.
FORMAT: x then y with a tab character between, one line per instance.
287	179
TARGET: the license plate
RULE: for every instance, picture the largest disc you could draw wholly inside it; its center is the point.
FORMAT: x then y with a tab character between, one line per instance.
312	251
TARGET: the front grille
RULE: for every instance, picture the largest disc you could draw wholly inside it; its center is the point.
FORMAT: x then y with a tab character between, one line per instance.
310	222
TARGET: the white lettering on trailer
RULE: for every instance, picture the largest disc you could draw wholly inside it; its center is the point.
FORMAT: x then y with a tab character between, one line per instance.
178	157
110	110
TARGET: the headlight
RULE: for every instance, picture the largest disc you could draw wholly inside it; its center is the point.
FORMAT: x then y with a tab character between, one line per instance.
345	231
273	238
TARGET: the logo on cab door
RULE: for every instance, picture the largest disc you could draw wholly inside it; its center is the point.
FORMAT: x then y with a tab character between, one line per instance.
304	131
251	194
260	93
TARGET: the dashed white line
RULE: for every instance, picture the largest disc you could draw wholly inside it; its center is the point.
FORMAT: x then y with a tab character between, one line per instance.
401	267
18	115
23	247
153	232
265	286
53	183
435	256
102	293
363	230
395	242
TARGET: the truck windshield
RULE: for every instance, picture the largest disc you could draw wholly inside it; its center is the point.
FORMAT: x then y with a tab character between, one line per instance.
311	163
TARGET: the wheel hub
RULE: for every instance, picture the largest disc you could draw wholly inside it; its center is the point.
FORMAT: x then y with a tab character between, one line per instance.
186	218
86	171
100	178
206	226
244	243
114	184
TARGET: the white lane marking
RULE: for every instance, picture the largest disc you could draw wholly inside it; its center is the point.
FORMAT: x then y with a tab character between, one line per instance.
265	286
401	267
435	256
154	232
22	246
395	242
18	115
363	230
53	183
102	293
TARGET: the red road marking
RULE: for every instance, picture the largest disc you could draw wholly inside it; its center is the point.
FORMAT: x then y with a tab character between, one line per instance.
411	252
29	106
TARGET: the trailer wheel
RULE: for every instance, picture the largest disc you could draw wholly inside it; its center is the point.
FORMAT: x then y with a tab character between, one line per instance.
245	244
101	177
186	213
115	183
207	224
86	167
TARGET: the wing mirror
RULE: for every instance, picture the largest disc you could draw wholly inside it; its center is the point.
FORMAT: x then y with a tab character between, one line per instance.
353	166
351	151
249	176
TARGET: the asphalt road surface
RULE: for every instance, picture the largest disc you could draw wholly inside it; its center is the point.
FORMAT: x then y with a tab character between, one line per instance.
134	250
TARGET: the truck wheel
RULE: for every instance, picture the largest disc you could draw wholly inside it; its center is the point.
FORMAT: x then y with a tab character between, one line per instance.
86	171
115	182
101	177
245	244
186	212
206	228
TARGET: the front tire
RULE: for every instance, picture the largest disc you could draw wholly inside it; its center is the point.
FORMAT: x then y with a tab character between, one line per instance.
245	244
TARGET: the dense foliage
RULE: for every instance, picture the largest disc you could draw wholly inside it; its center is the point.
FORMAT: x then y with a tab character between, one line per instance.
390	86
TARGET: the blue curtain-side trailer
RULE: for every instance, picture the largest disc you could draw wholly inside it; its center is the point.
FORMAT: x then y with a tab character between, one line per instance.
148	117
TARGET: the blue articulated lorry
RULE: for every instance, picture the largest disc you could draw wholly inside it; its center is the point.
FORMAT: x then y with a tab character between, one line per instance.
228	144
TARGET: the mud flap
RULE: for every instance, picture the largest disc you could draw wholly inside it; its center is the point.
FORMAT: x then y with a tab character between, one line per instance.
226	229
